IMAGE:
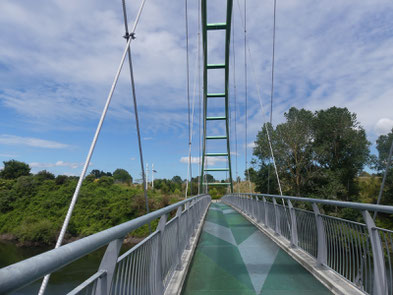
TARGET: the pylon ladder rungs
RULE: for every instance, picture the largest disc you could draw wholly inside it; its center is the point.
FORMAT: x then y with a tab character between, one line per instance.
217	26
216	137
215	66
215	118
216	169
216	95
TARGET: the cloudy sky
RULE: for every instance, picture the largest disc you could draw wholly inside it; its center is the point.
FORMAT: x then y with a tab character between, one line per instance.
58	59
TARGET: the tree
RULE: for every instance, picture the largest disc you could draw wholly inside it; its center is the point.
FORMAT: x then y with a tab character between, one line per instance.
341	146
383	146
14	169
292	146
122	175
317	154
98	174
177	179
44	175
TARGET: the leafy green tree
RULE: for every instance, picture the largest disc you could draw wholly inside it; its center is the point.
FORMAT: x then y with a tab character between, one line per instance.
13	169
99	173
341	146
292	143
122	175
177	179
44	175
61	179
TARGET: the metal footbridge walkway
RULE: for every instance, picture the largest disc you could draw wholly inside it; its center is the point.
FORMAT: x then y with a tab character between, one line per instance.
234	257
245	244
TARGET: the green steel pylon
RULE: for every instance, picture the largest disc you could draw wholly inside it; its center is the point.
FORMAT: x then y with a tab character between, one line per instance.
206	28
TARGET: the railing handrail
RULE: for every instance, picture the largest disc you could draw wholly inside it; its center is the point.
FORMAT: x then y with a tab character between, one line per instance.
353	205
27	271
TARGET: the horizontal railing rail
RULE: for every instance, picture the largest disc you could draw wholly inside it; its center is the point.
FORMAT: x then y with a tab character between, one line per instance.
360	252
155	258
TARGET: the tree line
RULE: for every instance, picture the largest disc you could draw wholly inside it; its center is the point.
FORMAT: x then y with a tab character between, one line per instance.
321	154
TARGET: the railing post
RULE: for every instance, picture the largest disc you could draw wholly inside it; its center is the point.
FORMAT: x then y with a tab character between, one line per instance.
380	282
108	264
294	236
265	211
277	216
156	260
322	246
187	235
178	239
255	207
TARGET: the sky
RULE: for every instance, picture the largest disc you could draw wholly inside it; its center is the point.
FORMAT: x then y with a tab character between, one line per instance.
58	60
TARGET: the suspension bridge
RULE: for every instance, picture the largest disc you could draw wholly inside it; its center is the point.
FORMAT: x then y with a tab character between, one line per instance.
242	244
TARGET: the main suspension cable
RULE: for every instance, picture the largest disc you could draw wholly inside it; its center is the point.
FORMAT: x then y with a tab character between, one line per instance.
92	146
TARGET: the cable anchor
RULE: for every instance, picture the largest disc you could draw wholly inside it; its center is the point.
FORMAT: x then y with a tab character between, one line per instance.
128	35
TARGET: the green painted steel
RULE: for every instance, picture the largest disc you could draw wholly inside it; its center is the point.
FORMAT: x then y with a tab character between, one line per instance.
216	154
216	95
216	169
216	66
217	137
226	26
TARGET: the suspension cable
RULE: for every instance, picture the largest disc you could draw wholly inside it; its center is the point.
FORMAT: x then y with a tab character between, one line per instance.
199	96
189	170
92	146
246	94
384	177
235	100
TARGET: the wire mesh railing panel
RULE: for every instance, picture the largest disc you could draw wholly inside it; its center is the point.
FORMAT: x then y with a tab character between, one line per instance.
349	250
285	221
135	272
183	231
271	218
169	250
307	231
387	244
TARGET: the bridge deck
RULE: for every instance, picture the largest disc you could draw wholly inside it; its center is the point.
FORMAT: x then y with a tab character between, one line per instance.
234	257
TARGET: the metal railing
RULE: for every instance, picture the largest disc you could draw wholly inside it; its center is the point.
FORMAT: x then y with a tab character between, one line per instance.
144	269
362	253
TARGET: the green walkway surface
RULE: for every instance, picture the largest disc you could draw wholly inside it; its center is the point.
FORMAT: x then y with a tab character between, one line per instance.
233	257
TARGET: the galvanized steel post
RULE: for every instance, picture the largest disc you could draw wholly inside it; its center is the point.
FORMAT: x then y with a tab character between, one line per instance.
277	217
322	245
108	265
380	282
294	236
158	283
178	244
265	211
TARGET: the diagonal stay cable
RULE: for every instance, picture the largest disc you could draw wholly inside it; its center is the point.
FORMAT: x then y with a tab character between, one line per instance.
132	80
92	146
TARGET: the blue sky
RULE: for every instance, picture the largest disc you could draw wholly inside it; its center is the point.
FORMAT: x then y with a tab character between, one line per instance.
58	60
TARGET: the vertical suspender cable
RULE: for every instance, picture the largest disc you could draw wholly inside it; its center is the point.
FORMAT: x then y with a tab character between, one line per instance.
91	150
384	177
235	98
189	170
272	86
199	95
246	95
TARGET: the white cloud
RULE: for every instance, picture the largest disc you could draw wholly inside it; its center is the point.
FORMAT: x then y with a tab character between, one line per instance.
30	141
57	164
209	160
384	126
251	145
8	155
